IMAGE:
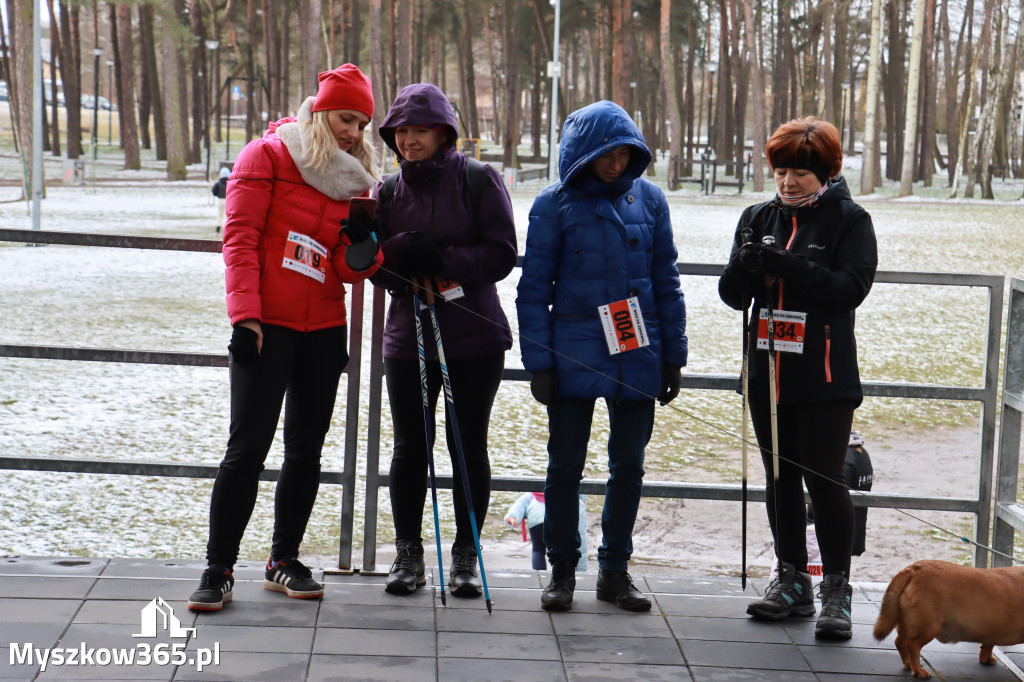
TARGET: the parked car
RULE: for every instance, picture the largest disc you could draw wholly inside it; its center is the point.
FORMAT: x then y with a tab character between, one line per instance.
104	103
3	91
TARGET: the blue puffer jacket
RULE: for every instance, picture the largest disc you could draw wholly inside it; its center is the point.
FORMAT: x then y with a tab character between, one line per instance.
591	243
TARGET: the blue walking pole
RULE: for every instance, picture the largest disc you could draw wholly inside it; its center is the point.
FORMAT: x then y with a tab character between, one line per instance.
428	425
429	295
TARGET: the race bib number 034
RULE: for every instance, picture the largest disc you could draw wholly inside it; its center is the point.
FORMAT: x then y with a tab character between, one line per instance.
789	331
623	326
305	256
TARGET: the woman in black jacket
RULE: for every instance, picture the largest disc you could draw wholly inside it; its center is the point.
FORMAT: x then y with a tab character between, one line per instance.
817	268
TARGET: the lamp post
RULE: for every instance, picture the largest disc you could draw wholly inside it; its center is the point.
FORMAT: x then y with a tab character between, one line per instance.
632	99
712	68
97	52
842	122
110	102
212	46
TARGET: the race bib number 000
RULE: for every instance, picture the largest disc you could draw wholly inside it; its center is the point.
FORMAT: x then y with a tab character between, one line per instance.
789	331
623	325
305	256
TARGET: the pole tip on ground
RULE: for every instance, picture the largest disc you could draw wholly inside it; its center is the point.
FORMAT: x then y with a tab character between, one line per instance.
488	602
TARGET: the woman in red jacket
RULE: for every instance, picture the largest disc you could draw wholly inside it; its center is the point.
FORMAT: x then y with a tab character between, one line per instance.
287	263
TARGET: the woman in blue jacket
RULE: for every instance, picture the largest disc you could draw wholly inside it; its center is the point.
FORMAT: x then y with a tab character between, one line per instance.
601	315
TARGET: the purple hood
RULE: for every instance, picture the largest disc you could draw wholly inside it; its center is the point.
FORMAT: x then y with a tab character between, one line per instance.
418	104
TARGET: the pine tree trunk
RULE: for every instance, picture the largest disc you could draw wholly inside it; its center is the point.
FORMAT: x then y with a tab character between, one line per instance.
126	106
668	88
757	92
469	93
510	53
71	75
172	59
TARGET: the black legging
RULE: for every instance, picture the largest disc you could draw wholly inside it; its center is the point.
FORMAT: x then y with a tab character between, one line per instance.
814	436
474	382
301	369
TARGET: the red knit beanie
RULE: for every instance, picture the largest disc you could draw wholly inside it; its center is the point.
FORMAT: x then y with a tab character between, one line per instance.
346	87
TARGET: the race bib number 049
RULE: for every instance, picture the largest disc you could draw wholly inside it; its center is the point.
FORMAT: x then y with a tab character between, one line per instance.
305	256
623	326
789	331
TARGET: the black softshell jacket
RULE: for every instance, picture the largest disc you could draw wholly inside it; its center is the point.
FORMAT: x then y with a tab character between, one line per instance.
838	256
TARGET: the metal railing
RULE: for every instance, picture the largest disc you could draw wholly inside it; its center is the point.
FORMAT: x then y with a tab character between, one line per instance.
978	505
1009	516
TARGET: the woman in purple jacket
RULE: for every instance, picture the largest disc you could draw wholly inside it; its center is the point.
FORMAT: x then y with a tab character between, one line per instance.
436	227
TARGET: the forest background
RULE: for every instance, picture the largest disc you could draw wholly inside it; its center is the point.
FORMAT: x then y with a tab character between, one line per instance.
933	85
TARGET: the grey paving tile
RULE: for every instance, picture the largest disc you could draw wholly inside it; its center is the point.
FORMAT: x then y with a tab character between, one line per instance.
501	578
502	599
366	642
333	668
494	670
801	630
964	666
334	615
141	589
645	650
34	610
502	646
649	624
8	672
40	635
716	606
699	585
744	655
852	660
125	612
728	630
261	638
617	672
253	667
53	566
702	674
105	635
374	595
849	677
478	620
42	587
282	612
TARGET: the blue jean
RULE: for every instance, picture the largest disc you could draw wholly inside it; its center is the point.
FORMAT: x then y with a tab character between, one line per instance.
569	422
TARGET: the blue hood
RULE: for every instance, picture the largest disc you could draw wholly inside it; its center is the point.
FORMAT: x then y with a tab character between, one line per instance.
594	131
419	104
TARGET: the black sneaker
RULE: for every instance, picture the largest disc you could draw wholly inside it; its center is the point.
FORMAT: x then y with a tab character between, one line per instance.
408	572
464	581
835	621
558	594
292	578
214	589
788	594
618	588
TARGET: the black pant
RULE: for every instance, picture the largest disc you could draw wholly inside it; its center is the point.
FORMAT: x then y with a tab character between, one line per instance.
474	384
302	370
812	448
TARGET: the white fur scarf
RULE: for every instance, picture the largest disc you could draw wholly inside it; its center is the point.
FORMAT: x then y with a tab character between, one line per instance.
345	176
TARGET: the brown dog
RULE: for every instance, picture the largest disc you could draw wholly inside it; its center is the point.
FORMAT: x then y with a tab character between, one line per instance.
951	603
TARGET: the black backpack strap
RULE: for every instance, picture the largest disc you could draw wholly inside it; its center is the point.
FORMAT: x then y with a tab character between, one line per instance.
476	179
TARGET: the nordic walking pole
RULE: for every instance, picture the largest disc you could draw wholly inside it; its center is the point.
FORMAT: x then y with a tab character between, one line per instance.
428	425
458	442
773	402
744	388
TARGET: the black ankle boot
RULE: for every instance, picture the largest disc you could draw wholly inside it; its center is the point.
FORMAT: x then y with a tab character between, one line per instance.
464	581
558	594
618	588
408	572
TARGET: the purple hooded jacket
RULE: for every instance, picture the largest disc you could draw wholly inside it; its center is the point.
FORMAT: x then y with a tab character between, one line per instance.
478	246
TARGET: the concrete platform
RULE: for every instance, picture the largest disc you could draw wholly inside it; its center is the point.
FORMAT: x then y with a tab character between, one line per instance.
100	608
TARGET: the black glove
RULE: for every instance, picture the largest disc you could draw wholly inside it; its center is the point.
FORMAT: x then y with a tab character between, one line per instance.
242	346
749	258
671	377
361	232
776	260
359	228
544	386
423	258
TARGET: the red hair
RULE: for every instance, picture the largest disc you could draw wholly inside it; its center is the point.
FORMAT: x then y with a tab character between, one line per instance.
806	143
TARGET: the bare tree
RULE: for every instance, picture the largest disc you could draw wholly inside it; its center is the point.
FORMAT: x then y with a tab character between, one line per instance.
511	58
867	179
71	77
668	87
174	35
913	90
757	92
126	93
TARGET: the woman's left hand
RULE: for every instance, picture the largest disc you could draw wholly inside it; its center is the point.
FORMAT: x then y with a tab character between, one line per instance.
777	261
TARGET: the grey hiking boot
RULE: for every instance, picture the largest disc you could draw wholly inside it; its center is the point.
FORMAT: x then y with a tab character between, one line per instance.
835	621
789	594
558	594
408	572
464	580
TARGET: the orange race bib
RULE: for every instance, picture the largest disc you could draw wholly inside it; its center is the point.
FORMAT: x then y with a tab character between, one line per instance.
623	324
305	256
789	331
449	289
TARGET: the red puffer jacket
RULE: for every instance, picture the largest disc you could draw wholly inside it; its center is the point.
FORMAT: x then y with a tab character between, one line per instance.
285	262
